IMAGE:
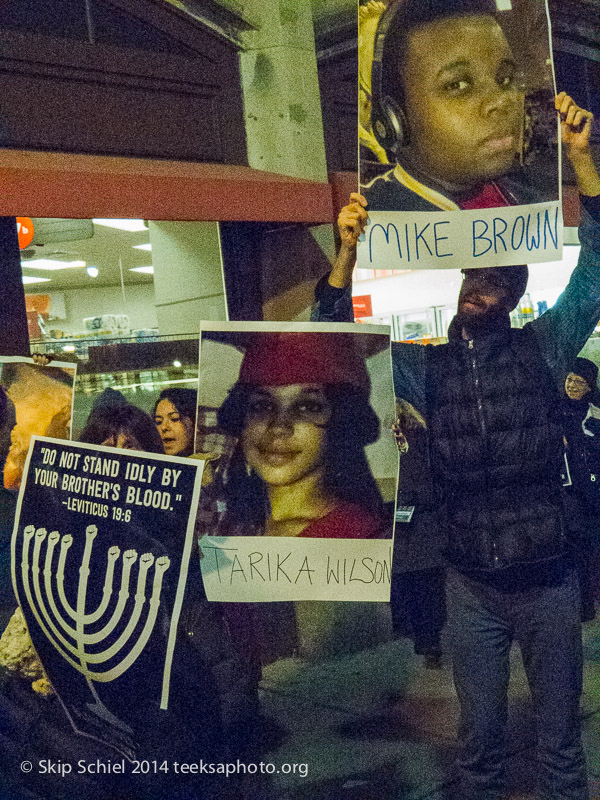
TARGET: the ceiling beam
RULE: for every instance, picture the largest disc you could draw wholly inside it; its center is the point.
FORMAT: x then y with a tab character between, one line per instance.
40	184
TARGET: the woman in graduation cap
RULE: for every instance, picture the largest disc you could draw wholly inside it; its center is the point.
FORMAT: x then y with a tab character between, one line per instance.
300	411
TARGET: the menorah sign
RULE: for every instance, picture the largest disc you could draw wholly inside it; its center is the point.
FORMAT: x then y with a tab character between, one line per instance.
77	633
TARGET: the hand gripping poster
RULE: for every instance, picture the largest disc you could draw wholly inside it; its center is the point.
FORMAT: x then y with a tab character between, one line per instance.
302	475
458	133
100	560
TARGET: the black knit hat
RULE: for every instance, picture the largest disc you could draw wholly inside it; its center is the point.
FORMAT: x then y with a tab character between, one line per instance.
516	283
586	369
513	279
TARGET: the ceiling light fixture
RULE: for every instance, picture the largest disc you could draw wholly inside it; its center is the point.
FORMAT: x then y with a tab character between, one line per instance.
146	246
131	225
33	279
51	264
92	272
146	270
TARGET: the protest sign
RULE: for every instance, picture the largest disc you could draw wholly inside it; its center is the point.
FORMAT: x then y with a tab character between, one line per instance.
459	157
490	238
39	401
100	555
269	569
306	457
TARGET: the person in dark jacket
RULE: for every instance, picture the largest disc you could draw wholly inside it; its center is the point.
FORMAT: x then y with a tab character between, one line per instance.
417	595
8	501
581	420
496	449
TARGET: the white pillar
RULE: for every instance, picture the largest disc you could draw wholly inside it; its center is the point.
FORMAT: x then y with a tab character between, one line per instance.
188	275
284	126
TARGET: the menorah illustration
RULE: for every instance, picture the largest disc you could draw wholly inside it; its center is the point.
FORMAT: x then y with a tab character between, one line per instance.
58	619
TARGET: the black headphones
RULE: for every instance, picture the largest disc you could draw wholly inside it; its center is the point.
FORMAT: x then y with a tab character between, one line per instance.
388	120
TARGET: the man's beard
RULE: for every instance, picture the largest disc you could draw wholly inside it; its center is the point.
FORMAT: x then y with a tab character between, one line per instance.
492	320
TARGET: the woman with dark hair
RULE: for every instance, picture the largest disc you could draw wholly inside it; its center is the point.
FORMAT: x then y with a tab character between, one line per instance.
175	420
300	410
121	425
581	421
581	416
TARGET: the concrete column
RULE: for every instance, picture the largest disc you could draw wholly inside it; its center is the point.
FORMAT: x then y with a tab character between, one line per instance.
188	275
284	127
284	133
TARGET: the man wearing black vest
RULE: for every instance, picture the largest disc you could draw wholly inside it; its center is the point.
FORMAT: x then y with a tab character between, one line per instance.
491	400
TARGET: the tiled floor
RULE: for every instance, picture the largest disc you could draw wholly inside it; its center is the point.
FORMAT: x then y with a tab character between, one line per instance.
377	726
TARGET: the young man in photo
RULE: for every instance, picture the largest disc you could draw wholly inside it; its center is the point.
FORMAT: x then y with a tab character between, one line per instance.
452	108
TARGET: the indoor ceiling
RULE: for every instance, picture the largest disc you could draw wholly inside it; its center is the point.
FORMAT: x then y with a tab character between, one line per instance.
241	10
328	15
328	9
103	250
335	24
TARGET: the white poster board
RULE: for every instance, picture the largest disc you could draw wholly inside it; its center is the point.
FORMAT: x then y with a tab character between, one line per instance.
302	497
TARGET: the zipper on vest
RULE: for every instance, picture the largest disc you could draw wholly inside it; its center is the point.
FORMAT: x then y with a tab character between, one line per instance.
483	430
479	400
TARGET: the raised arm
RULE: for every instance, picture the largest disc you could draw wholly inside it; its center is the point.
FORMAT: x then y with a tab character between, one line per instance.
576	128
564	329
333	303
352	221
333	300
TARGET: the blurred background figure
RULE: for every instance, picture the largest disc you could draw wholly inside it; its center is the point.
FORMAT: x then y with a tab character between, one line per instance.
581	416
7	510
418	575
113	422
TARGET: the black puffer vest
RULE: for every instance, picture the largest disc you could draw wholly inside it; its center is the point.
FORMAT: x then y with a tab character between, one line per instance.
496	450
